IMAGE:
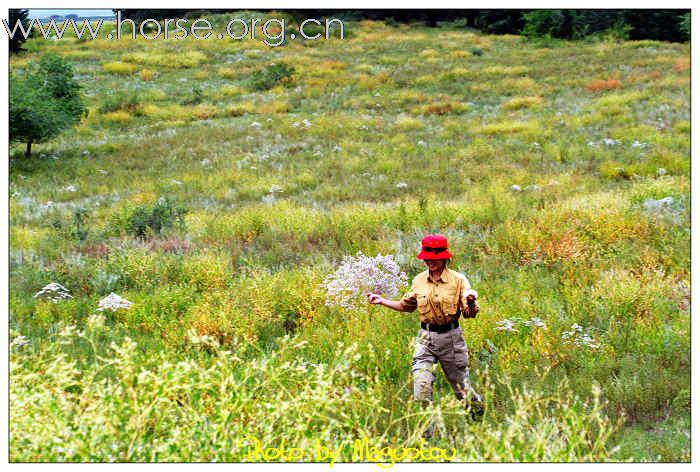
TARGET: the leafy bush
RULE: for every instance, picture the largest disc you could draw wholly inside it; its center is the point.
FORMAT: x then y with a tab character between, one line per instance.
150	219
196	98
270	76
120	102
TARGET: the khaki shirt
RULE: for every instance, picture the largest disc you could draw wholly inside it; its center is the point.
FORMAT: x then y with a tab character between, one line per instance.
437	301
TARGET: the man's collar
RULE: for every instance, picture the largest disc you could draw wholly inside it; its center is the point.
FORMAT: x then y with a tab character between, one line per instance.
444	276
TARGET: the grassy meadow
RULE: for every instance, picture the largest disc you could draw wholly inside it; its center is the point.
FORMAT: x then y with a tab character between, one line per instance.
218	210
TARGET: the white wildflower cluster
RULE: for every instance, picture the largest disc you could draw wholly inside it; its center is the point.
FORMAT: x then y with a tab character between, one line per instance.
203	340
510	325
506	325
401	184
668	208
54	292
113	302
20	341
579	336
360	274
609	142
72	188
274	188
304	122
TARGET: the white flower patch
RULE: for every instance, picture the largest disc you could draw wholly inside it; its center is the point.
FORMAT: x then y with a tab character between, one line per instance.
511	325
611	142
202	339
274	188
54	292
114	302
534	321
359	275
580	337
20	341
506	325
401	184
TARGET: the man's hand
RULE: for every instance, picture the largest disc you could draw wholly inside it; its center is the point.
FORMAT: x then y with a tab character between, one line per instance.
472	307
374	299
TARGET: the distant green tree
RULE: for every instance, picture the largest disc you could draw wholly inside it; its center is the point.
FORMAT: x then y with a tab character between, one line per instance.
43	102
21	15
545	24
684	26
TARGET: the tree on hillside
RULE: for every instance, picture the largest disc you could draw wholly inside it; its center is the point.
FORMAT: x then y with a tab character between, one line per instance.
21	15
43	102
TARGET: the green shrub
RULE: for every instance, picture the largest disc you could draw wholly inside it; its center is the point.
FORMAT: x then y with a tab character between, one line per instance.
120	101
270	76
151	219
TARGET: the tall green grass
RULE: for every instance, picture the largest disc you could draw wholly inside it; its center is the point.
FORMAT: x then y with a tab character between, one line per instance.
536	168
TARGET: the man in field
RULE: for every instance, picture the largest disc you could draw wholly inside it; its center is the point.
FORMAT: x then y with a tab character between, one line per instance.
441	295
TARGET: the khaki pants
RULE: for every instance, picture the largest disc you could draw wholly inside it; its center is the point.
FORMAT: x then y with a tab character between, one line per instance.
450	350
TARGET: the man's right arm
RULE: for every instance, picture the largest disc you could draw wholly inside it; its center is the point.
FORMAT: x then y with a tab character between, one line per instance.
397	305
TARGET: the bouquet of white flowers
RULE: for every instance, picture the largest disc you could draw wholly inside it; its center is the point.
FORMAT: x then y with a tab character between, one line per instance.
358	275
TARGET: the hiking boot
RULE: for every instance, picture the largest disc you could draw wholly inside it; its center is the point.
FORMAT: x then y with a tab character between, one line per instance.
476	407
477	411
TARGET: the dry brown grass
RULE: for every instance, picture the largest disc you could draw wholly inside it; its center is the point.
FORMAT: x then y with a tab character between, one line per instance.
600	85
682	65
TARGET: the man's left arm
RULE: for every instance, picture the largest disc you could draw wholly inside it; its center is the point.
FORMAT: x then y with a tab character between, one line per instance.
467	300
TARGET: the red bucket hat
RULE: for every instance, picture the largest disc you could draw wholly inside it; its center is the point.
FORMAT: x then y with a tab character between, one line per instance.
434	248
